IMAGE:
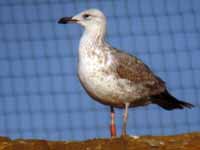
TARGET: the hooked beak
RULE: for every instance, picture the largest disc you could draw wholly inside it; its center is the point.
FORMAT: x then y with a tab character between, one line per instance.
66	20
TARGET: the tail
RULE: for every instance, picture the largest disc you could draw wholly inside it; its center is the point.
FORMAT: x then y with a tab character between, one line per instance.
169	102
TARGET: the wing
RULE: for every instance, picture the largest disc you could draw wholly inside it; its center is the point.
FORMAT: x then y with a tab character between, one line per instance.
138	74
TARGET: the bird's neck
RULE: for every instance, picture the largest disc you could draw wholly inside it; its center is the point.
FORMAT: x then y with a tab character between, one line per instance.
91	41
91	49
94	35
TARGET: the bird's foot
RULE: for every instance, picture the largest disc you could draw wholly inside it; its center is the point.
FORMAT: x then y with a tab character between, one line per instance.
124	136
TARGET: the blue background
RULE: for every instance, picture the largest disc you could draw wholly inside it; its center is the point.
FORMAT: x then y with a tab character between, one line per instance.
40	95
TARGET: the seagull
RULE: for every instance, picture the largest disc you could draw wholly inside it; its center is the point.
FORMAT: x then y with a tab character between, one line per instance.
114	77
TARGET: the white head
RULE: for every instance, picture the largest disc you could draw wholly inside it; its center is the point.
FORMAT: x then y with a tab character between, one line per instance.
93	20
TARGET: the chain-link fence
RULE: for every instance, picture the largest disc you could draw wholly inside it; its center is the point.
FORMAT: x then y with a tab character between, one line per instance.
40	95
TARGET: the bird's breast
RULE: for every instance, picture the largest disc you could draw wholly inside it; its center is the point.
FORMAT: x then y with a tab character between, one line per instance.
96	76
92	65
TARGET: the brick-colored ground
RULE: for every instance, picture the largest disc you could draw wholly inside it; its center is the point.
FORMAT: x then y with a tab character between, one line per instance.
189	141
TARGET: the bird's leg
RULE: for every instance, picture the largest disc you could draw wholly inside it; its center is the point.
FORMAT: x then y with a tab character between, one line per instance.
125	117
112	124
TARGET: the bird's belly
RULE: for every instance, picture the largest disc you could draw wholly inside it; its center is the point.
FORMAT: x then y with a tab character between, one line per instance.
104	87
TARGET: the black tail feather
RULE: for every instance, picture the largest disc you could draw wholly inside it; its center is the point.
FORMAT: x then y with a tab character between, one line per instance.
169	102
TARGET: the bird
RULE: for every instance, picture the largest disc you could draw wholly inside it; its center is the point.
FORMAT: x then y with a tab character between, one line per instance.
113	77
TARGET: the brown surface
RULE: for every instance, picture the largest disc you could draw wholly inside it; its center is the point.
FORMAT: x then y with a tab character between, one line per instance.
189	141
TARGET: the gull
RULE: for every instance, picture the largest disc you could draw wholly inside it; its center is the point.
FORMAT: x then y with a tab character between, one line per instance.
113	77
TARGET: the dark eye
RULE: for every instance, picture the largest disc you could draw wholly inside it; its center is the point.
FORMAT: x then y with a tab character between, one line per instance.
86	16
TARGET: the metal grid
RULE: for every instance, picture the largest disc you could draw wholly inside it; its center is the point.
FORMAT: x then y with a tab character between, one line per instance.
40	95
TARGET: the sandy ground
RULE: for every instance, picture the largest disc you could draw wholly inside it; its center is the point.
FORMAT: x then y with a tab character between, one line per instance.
190	141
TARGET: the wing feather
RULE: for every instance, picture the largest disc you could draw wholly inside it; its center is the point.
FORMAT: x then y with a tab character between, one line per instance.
134	70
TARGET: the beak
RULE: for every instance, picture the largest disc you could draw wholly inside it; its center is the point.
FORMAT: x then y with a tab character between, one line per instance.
66	20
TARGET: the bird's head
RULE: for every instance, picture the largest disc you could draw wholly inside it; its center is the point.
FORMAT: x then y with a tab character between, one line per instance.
91	20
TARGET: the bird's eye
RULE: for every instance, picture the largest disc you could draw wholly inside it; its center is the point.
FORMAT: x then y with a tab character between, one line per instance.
86	16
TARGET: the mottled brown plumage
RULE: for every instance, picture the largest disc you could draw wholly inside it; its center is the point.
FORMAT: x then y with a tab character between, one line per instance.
131	68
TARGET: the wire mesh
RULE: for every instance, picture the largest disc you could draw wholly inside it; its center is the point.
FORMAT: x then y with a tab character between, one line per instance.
40	95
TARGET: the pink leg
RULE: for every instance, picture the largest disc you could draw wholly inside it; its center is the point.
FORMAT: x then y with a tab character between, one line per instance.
112	124
125	118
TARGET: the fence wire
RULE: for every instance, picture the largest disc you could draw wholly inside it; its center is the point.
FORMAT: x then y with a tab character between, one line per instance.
40	95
